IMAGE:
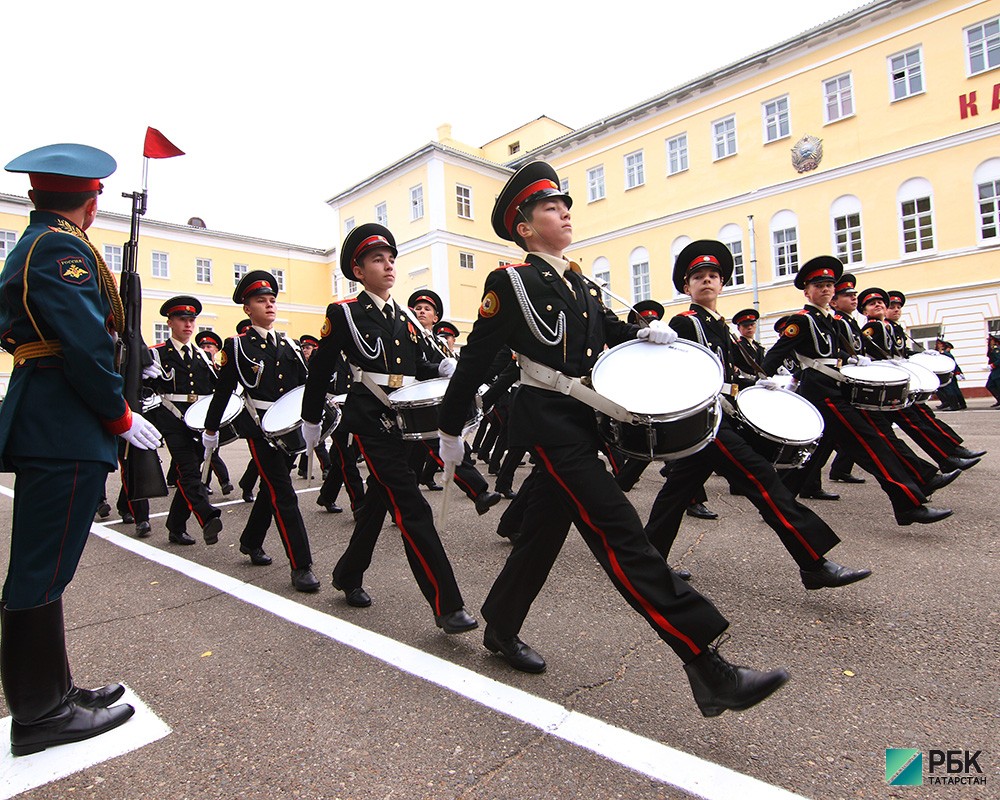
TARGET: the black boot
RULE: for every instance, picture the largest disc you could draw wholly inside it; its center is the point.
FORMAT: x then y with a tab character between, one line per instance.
35	677
718	685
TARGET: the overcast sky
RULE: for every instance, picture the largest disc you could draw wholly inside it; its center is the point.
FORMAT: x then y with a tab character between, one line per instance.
279	110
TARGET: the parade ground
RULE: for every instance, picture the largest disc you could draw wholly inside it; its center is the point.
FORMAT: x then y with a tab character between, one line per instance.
246	688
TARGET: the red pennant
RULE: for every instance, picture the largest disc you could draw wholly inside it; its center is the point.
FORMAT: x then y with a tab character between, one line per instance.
159	146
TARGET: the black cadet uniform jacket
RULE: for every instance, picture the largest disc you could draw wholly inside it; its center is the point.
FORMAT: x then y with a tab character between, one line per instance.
881	341
698	325
563	332
813	334
180	379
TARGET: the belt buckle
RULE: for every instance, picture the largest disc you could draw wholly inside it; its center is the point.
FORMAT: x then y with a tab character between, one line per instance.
734	388
395	381
192	398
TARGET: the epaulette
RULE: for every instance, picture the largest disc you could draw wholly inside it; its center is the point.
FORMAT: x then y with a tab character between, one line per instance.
837	316
504	266
803	311
688	313
345	300
161	344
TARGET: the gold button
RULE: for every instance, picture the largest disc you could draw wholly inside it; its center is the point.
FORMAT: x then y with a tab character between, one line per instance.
282	376
594	292
585	314
399	361
589	352
397	342
548	308
262	345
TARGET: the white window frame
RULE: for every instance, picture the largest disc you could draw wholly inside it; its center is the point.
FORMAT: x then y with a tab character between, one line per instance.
279	277
564	185
986	184
677	154
161	332
466	260
776	114
7	241
638	262
916	223
463	201
353	287
838	97
601	272
239	270
349	225
113	255
596	189
985	47
382	214
159	265
784	235
724	140
635	173
905	73
416	202
732	237
203	270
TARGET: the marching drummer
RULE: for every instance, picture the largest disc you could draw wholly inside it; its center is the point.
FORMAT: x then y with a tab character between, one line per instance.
187	377
211	343
268	365
554	318
384	346
810	342
308	344
701	270
749	352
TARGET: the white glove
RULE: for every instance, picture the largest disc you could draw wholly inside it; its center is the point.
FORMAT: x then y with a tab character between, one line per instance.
861	361
154	370
658	332
210	441
768	383
310	433
452	452
447	367
142	433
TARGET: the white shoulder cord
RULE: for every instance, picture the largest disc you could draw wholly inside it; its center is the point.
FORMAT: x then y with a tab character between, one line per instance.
816	336
237	352
531	316
365	349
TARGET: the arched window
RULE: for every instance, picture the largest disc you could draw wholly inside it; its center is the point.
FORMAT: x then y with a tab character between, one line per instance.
845	227
987	181
785	243
732	237
675	250
601	273
916	216
639	267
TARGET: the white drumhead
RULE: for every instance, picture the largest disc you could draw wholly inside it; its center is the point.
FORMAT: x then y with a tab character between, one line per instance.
656	379
197	412
285	413
936	362
781	413
339	399
878	374
422	390
921	378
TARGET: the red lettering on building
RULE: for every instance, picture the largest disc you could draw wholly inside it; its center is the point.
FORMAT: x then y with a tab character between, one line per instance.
967	105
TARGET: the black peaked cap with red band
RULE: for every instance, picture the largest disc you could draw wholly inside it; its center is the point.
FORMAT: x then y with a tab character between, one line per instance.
531	183
259	281
847	283
182	305
208	336
308	338
648	310
700	254
359	241
445	328
896	296
746	315
64	167
242	325
865	297
818	270
426	296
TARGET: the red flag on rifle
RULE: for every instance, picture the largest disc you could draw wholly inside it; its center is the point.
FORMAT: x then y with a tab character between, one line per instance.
159	146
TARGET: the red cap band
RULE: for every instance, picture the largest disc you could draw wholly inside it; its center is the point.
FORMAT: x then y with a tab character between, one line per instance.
182	309
822	272
368	243
701	261
63	183
649	312
537	186
253	287
425	299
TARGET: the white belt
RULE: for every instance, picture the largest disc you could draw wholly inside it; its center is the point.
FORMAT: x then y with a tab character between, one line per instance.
262	405
183	398
392	381
542	377
825	366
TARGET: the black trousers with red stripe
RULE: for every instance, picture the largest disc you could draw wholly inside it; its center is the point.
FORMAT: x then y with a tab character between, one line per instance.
191	495
343	472
276	500
570	485
392	488
933	436
806	537
467	478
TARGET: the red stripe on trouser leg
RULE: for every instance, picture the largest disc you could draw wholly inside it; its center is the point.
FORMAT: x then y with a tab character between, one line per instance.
931	419
282	528
343	472
187	500
891	445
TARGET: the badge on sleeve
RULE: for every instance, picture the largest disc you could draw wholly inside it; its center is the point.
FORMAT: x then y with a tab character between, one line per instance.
791	331
490	306
868	332
221	358
327	327
74	270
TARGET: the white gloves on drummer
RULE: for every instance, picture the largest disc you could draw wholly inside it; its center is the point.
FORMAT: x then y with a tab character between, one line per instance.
210	441
310	434
447	367
154	370
861	361
142	433
658	332
768	383
452	451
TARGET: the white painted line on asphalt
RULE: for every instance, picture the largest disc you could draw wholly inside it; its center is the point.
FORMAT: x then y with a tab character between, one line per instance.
665	764
29	772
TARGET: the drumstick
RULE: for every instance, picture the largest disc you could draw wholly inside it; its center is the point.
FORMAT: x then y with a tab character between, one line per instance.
309	468
206	469
443	513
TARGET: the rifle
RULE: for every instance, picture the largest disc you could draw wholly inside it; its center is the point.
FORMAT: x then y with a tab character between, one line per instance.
142	472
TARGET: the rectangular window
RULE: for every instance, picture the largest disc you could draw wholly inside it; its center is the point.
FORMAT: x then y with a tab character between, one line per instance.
203	270
906	74
467	260
983	44
603	279
463	199
113	257
739	272
513	149
352	287
640	282
381	215
724	137
847	238
677	154
926	335
348	225
416	202
502	263
161	265
918	225
564	185
595	184
9	238
839	96
279	276
776	120
161	332
989	209
786	252
633	170
239	270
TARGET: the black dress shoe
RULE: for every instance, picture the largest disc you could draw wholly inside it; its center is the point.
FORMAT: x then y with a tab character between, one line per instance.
179	537
506	494
456	621
940	480
485	501
330	508
257	555
209	490
104	510
248	497
682	573
142	530
700	511
128	519
958	463
304	581
923	515
211	530
358	597
845	478
965	452
829	575
96	698
434	487
68	723
719	686
822	494
227	488
515	652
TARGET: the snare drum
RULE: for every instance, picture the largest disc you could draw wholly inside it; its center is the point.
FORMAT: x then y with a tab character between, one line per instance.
941	365
780	425
923	382
672	390
282	422
416	408
876	387
197	412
